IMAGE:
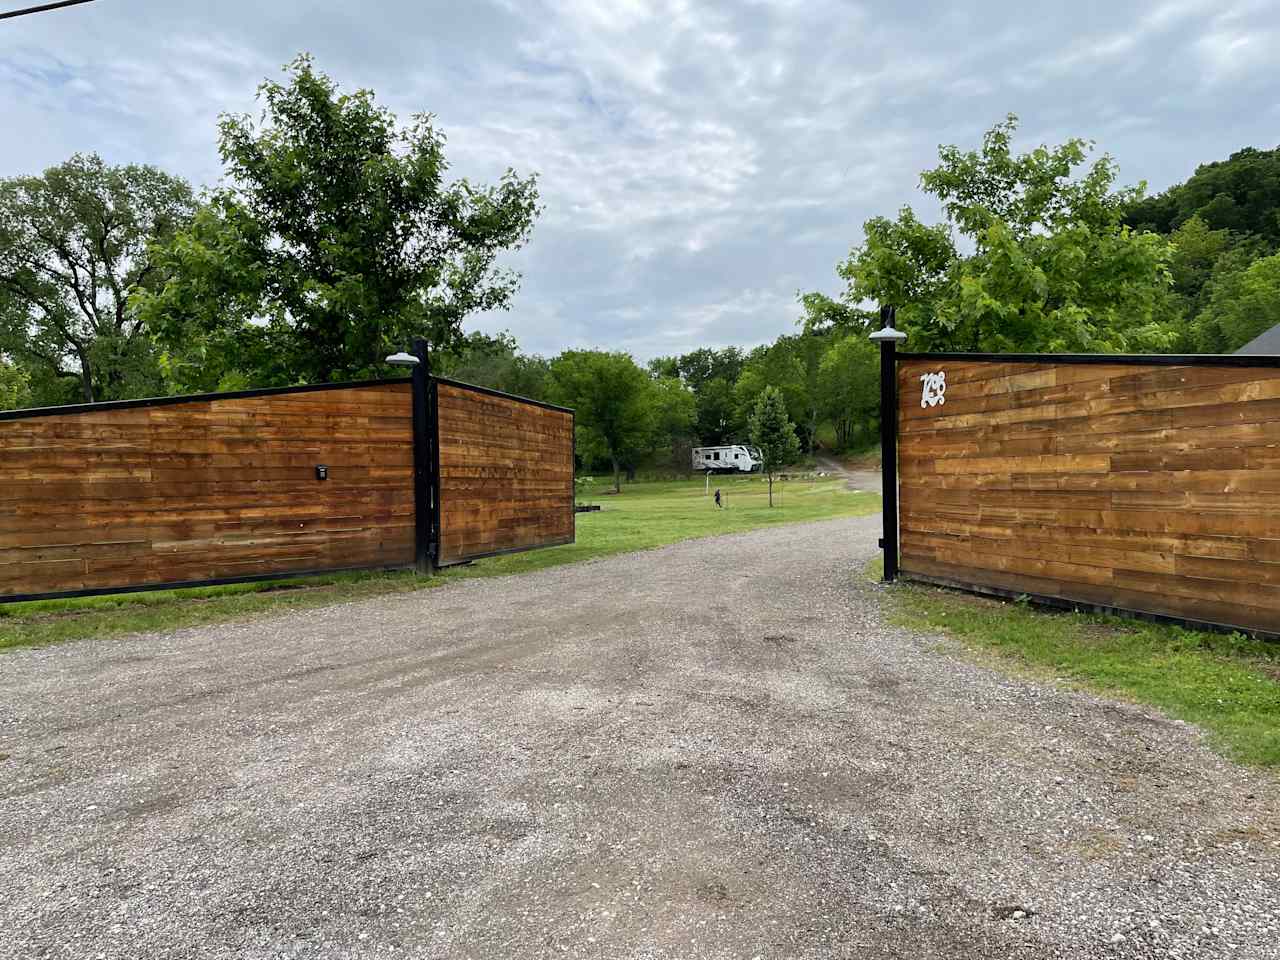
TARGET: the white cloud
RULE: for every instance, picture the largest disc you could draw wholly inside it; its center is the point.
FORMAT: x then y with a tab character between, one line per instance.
700	162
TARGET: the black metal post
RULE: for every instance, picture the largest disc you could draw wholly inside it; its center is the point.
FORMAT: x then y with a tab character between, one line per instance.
888	338
423	457
434	485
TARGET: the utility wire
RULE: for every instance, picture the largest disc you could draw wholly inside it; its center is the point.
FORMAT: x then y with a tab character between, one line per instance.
41	8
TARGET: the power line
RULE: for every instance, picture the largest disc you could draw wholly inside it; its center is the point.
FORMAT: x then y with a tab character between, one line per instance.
41	8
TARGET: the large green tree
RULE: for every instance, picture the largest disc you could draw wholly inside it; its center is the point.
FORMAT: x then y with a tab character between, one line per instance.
849	387
1033	256
621	410
336	239
711	374
494	361
74	247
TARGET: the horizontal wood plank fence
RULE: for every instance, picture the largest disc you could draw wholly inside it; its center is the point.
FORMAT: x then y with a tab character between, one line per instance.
181	491
1130	483
506	473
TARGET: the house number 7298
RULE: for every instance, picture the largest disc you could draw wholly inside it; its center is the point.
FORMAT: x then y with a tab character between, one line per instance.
934	390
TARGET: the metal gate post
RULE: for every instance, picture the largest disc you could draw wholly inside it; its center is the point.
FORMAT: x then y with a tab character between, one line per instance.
889	338
423	461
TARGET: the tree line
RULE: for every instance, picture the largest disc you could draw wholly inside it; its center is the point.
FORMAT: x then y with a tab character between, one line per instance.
336	236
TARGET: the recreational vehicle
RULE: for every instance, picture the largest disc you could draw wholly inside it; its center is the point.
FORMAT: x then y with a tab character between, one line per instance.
738	458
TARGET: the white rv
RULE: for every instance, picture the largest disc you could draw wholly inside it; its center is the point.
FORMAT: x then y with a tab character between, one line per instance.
738	458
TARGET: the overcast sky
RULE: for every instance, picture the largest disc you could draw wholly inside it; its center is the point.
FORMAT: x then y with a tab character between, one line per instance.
699	162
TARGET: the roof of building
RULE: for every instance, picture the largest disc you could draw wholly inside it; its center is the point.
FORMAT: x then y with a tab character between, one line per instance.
1266	344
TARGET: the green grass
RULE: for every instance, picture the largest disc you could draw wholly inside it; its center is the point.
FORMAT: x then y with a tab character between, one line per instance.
652	514
644	515
1227	684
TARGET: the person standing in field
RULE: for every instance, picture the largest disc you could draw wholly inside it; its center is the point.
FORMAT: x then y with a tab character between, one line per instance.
719	505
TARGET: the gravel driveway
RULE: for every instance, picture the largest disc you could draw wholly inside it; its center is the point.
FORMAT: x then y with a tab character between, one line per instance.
715	749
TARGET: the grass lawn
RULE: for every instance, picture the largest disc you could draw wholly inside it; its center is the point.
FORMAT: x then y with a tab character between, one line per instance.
1227	684
643	515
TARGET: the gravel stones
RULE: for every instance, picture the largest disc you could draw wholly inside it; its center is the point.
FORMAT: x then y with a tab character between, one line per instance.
611	760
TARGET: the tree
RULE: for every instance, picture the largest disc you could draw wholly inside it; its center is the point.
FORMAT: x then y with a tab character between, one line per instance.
74	246
674	412
613	404
1240	194
1053	267
773	432
1242	305
710	374
849	386
15	389
779	365
337	239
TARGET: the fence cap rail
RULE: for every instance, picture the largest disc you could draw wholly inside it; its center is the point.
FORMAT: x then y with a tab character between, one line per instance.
1134	359
73	408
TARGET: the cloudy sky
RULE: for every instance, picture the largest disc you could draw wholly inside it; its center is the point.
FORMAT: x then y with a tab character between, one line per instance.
700	162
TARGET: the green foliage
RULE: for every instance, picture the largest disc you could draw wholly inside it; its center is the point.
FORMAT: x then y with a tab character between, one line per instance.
621	411
1240	194
1221	221
849	388
772	431
1053	268
1242	304
494	361
74	247
710	375
15	387
335	241
824	315
779	365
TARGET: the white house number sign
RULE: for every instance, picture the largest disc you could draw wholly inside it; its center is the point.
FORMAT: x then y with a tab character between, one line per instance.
934	390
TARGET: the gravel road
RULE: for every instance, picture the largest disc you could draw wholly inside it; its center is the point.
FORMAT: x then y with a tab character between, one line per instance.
716	749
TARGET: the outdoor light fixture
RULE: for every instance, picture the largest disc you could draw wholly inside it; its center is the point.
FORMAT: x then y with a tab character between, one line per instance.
402	359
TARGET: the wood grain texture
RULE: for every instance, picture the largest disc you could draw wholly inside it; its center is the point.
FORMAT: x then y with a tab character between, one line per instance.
506	474
1148	488
206	490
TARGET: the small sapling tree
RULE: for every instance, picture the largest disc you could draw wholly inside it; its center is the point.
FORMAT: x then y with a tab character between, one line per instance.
773	432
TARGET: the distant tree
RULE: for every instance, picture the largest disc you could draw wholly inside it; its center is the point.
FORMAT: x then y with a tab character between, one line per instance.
494	361
781	366
1242	305
674	412
15	387
711	374
616	416
773	432
336	239
74	246
1196	249
1052	268
668	367
849	386
1240	194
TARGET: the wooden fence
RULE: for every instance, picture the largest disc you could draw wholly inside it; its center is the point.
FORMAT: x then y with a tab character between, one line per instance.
1144	484
506	473
183	491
